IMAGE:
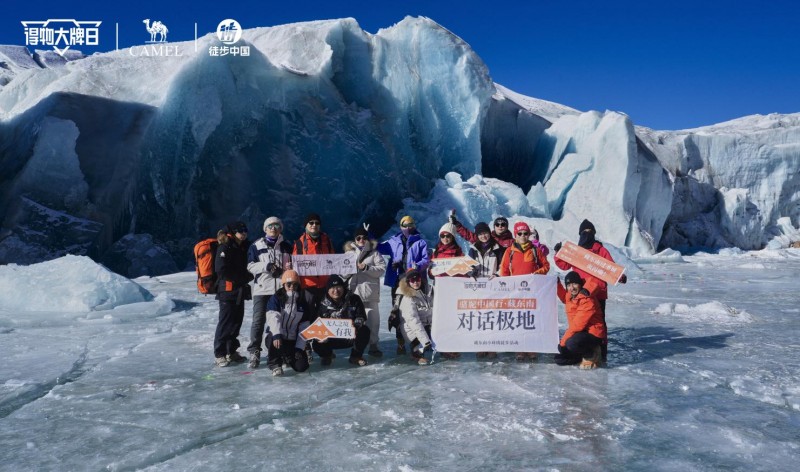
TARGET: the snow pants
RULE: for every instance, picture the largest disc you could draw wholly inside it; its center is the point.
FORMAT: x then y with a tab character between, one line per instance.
359	344
373	319
259	320
287	354
231	315
578	346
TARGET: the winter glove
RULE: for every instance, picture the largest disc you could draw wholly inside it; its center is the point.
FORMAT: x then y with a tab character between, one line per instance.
557	247
397	266
274	270
394	318
358	322
453	219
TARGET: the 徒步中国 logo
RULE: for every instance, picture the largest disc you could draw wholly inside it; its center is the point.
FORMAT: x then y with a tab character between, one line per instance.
157	46
62	34
229	32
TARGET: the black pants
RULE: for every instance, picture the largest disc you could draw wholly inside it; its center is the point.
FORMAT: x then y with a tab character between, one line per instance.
397	333
577	347
287	354
359	344
259	320
231	315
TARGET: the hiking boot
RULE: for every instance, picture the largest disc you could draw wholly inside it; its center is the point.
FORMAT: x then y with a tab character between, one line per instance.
419	358
593	361
277	371
325	360
222	361
374	351
255	359
359	361
236	358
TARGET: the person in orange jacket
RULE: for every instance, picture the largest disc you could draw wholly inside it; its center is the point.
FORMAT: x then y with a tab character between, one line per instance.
313	241
523	258
586	331
596	287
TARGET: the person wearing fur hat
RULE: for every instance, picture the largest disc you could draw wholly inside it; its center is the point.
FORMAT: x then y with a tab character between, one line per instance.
520	259
416	313
313	241
366	282
488	253
406	250
288	314
500	233
267	259
596	287
447	248
586	330
341	303
230	264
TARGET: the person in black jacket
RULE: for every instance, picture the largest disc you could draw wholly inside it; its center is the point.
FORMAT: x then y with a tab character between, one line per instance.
233	289
340	303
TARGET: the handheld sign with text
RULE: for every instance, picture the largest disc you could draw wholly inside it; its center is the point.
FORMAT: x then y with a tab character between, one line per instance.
325	264
453	266
325	328
504	314
590	262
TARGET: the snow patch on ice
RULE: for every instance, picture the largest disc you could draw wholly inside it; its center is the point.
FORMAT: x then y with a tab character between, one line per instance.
711	312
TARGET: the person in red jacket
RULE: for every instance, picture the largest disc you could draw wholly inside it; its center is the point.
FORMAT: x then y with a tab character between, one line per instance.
501	234
586	330
313	241
446	248
523	258
596	287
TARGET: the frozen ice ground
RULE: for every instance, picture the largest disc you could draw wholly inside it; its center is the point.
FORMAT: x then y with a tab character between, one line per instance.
703	375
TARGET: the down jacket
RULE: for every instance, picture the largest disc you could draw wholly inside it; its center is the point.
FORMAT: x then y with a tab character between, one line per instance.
415	250
583	314
416	311
259	257
488	261
518	262
366	283
287	315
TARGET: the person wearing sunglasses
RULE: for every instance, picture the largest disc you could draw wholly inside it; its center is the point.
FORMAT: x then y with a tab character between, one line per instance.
488	253
230	264
523	258
500	233
366	282
416	313
288	314
313	241
447	248
267	258
406	250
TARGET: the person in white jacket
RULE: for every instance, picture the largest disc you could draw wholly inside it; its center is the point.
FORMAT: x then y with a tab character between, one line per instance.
366	283
416	313
288	314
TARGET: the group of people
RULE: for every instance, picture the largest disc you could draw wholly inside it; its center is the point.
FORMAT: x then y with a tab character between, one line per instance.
285	303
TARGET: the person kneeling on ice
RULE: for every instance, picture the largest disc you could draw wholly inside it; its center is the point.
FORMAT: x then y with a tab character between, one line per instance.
416	313
586	332
288	314
343	304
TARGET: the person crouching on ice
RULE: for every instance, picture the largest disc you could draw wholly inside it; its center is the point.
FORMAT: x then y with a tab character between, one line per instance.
416	313
342	304
581	343
288	314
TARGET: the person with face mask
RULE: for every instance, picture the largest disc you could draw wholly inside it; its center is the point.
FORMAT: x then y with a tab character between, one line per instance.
267	259
597	288
288	314
365	282
582	341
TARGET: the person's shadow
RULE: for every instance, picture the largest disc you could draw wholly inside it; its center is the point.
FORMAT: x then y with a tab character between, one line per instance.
629	346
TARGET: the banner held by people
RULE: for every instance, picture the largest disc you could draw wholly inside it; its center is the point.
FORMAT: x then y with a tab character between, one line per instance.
325	264
590	262
324	328
503	314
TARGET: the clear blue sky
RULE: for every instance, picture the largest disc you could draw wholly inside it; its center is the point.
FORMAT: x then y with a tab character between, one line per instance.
667	64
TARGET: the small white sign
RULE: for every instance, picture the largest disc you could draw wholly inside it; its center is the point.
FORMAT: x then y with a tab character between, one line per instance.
325	264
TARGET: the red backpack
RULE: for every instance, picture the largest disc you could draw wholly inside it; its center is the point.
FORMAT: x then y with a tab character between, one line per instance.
204	253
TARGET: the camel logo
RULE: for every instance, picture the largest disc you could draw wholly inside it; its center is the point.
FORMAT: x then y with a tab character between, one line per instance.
64	33
229	31
157	28
502	286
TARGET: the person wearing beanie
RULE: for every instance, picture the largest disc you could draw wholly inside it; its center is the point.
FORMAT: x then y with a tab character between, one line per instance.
313	241
446	248
407	250
500	233
230	264
340	303
488	253
267	258
520	259
288	314
415	305
597	288
366	282
586	330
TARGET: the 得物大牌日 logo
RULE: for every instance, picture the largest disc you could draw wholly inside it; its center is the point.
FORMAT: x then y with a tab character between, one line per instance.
229	32
62	34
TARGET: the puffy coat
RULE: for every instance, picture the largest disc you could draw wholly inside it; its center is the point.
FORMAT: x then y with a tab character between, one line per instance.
260	255
288	315
583	314
596	287
505	240
518	262
349	307
366	283
415	250
416	310
307	245
489	260
230	264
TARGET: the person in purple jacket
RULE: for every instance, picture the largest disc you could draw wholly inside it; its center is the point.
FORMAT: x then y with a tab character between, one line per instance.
406	250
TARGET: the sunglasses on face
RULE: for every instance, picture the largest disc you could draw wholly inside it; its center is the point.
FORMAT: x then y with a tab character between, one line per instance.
413	280
501	225
523	233
446	236
408	225
274	226
313	223
242	231
292	285
361	238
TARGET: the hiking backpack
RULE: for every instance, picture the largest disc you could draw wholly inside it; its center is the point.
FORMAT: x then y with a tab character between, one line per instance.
204	253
